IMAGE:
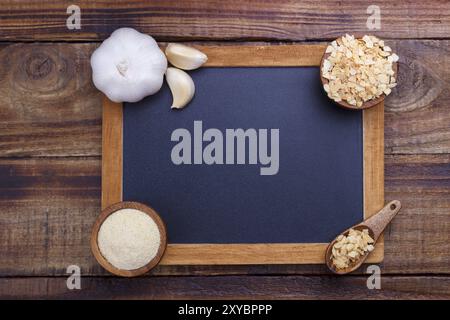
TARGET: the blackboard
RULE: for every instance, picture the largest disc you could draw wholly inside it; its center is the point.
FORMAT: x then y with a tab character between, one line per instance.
312	188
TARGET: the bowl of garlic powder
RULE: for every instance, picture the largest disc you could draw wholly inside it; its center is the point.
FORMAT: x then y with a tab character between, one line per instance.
358	73
128	239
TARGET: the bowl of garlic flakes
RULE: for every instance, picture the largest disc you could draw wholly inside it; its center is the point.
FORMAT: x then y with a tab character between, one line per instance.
358	73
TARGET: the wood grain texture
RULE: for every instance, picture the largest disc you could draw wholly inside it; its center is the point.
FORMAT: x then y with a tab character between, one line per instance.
231	287
112	155
48	104
373	165
248	254
47	210
418	110
373	144
29	20
422	184
48	207
263	55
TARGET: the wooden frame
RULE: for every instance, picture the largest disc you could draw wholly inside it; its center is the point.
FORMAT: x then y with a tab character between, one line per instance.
277	253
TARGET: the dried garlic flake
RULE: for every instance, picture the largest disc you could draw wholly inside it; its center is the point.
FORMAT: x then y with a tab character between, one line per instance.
358	70
348	249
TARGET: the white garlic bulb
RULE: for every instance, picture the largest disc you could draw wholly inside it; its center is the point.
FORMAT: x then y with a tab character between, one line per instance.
128	66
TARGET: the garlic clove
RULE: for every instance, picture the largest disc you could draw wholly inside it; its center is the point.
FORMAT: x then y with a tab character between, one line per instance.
185	57
182	87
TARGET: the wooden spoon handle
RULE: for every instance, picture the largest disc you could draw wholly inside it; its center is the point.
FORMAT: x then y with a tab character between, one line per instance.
380	220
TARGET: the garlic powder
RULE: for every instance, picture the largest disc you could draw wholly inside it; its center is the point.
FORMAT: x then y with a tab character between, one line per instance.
129	239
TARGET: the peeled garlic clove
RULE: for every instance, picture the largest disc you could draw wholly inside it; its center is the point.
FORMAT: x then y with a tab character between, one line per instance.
182	87
185	57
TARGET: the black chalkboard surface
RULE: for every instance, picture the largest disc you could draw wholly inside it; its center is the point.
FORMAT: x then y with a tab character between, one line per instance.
316	192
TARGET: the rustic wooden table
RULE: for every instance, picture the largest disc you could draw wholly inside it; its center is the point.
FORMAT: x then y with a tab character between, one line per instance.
50	145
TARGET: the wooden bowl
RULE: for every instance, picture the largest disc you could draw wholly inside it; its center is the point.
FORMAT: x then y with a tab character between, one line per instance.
345	105
105	263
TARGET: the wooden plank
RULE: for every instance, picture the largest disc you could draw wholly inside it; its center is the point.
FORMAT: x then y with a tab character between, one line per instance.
417	113
238	254
373	126
112	138
47	210
49	107
373	165
231	287
29	20
420	233
48	207
263	56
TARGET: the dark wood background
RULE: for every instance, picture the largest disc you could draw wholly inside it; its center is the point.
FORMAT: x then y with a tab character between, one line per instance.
50	145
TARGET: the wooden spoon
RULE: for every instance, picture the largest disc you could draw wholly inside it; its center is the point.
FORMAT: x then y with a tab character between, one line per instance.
375	224
345	105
